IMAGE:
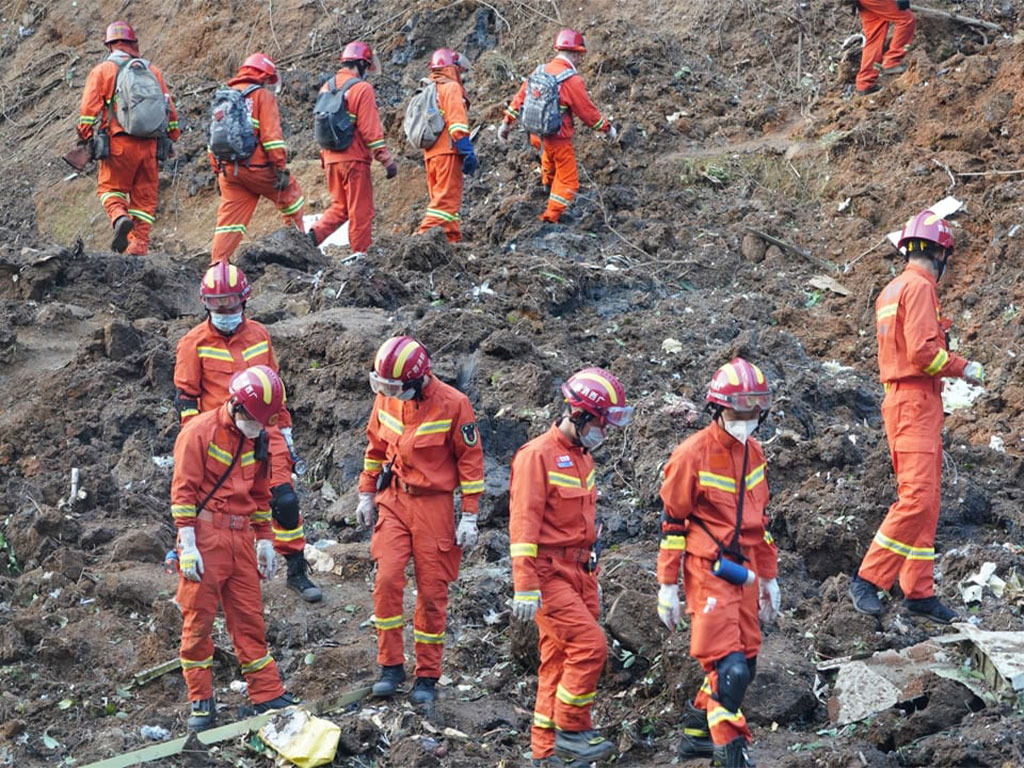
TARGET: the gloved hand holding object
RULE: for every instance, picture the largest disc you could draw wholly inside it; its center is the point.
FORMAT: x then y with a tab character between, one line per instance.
190	561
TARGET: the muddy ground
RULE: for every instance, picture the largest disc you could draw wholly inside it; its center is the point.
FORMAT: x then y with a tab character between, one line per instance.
733	116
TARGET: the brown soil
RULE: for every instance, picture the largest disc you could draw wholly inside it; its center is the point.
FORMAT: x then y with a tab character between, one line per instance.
762	135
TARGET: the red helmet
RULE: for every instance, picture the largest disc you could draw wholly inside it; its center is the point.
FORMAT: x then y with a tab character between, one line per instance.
570	40
446	57
741	386
262	63
399	361
599	393
260	392
224	286
119	30
357	50
926	226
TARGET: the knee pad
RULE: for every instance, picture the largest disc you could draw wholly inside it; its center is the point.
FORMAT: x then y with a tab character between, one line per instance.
733	678
284	505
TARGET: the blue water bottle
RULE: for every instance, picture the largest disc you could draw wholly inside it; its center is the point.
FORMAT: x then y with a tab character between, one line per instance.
171	562
732	572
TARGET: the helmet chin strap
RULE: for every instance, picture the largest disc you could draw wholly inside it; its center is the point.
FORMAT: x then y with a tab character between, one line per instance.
579	421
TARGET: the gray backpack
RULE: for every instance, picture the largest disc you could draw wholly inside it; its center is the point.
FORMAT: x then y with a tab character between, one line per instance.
541	113
139	101
232	137
424	122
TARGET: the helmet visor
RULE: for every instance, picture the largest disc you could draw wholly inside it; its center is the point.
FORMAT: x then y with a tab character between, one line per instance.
618	416
749	401
222	303
386	387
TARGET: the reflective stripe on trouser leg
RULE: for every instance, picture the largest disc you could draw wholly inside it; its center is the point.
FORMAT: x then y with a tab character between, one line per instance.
568	618
435	565
542	733
566	180
725	725
444	181
289	542
237	203
391	547
142	195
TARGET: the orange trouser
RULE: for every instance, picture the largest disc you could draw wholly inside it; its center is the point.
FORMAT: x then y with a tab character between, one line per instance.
444	180
723	619
351	201
421	527
573	650
230	578
128	183
875	18
557	169
905	543
287	541
240	191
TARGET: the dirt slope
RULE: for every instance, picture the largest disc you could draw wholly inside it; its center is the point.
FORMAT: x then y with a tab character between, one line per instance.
733	116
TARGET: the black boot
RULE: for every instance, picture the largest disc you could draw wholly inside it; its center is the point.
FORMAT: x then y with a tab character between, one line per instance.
299	580
283	701
390	678
586	746
733	755
312	238
122	227
203	715
423	692
865	597
931	608
696	741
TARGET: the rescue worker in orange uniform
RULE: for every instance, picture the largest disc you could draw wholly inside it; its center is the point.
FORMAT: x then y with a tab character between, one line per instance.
452	154
207	358
875	18
265	174
552	505
423	444
913	359
220	498
128	178
558	158
348	171
715	496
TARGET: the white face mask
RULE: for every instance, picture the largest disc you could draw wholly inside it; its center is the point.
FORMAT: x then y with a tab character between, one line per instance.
248	427
741	430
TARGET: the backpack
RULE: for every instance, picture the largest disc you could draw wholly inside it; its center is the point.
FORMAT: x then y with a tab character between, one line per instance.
424	121
333	127
231	137
541	113
138	100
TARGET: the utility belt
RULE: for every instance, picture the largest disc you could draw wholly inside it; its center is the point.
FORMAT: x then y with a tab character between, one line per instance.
572	554
388	477
223	520
916	383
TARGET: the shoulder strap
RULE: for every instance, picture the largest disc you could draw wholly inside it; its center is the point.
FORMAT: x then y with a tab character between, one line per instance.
564	75
224	477
741	489
349	83
251	88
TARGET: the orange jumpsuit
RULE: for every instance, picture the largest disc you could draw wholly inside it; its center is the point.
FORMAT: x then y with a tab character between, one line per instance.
912	360
875	18
348	172
433	447
205	362
443	162
242	187
552	504
557	158
224	536
129	178
700	484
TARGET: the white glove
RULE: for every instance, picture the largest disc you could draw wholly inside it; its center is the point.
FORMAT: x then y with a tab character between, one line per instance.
366	511
189	559
769	599
525	605
669	610
974	373
467	533
612	133
286	433
266	559
503	131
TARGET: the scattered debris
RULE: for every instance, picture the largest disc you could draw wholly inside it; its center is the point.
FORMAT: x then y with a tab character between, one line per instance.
826	283
301	738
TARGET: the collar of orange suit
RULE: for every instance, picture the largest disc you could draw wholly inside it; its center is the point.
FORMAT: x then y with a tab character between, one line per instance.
562	440
724	439
922	271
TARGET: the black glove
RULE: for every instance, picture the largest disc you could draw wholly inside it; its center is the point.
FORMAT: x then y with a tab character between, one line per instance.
391	170
903	5
283	178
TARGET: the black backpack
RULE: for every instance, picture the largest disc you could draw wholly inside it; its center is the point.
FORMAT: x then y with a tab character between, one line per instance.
333	127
